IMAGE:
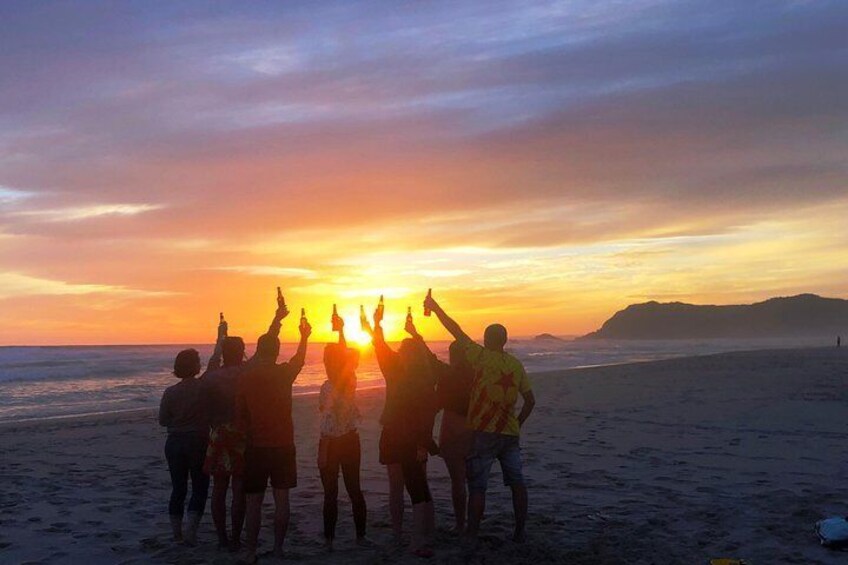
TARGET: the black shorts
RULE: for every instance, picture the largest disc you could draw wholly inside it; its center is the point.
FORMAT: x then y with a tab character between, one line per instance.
261	463
394	446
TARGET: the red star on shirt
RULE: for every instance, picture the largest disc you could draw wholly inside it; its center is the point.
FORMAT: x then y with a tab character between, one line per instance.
506	381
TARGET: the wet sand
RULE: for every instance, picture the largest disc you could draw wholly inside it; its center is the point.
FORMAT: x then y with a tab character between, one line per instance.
679	461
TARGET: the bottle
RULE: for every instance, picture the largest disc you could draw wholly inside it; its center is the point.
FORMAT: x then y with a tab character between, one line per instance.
409	314
280	300
427	311
222	318
335	320
380	307
303	321
363	319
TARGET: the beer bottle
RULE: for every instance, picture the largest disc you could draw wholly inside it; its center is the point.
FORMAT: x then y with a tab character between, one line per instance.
363	319
427	311
280	300
409	314
380	306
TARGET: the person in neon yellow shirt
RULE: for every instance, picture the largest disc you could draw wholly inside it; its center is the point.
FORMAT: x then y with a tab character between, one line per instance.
499	379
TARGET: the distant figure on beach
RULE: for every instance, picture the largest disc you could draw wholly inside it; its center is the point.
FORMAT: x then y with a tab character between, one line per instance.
407	435
499	380
453	392
183	410
338	446
264	412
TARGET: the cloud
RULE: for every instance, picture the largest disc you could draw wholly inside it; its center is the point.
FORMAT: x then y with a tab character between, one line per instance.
271	271
77	213
14	285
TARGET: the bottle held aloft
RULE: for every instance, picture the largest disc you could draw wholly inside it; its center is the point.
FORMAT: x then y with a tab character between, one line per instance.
409	314
281	302
336	321
363	319
427	311
303	321
381	306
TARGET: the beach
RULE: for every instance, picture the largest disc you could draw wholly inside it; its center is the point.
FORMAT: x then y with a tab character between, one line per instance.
676	461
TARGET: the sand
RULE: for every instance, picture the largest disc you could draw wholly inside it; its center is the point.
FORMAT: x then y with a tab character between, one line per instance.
731	455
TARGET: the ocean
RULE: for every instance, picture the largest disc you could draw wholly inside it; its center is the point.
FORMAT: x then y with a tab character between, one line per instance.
63	381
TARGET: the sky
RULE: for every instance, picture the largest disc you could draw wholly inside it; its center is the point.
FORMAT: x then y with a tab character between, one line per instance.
538	164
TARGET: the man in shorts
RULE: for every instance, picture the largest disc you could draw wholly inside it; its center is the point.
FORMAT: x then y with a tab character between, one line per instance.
499	379
264	412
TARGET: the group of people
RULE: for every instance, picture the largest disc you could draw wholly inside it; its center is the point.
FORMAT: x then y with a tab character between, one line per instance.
234	423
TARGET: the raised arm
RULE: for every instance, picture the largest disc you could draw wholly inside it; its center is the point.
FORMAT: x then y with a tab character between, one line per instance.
299	357
215	359
274	329
448	322
413	332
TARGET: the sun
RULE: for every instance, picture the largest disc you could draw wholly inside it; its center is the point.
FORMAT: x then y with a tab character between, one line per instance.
355	335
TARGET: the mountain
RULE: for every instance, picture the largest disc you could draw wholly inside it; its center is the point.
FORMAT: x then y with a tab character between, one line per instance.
547	337
795	316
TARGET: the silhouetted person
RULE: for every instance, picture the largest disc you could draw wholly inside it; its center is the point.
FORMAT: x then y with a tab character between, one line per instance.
453	392
264	412
407	434
339	447
838	341
227	443
499	380
184	412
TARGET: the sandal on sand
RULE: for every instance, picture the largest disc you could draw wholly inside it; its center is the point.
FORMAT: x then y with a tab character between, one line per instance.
423	552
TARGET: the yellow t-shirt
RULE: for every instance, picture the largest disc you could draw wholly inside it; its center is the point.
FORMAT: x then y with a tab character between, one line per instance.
498	380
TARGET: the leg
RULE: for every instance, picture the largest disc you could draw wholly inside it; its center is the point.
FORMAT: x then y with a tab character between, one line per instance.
510	458
255	481
519	507
252	523
178	469
351	461
415	479
283	478
199	488
237	511
478	465
476	507
395	471
281	518
220	485
330	481
459	494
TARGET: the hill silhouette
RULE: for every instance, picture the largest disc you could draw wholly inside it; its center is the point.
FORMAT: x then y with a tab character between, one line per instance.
805	315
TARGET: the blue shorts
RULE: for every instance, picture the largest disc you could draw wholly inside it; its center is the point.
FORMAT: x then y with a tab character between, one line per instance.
485	448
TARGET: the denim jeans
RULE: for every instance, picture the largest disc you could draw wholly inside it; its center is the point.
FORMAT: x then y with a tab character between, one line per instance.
185	454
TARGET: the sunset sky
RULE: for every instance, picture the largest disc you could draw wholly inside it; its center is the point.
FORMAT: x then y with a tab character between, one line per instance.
538	164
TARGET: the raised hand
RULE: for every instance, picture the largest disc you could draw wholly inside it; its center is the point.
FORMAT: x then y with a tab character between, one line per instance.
410	327
430	303
305	329
222	327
